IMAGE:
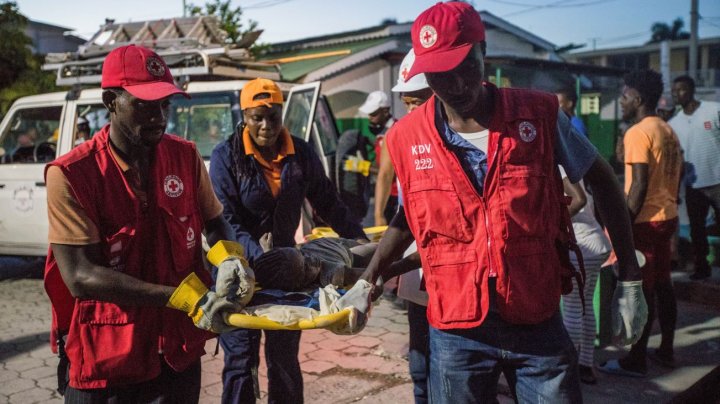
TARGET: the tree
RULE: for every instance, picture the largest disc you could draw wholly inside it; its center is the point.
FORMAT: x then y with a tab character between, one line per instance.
14	47
229	18
20	70
664	32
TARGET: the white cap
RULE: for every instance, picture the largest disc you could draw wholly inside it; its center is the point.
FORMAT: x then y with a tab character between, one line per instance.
416	82
375	101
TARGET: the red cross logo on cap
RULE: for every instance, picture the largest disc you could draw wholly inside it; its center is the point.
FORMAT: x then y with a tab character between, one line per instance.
404	73
527	131
428	36
155	67
173	186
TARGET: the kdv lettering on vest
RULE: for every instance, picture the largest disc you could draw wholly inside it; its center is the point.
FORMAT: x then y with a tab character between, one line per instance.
422	163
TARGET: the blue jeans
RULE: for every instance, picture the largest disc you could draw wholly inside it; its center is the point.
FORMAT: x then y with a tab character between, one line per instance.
242	357
539	361
418	352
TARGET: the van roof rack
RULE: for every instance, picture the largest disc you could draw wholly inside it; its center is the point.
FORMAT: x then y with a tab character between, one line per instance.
192	47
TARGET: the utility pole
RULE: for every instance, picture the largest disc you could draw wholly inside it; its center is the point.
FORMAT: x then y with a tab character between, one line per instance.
184	8
693	54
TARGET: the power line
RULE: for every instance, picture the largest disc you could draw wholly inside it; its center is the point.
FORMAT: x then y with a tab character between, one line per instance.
265	4
556	4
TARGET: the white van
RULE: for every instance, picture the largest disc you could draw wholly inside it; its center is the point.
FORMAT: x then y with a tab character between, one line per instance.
37	129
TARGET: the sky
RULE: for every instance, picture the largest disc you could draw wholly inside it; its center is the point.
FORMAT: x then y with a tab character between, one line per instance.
596	23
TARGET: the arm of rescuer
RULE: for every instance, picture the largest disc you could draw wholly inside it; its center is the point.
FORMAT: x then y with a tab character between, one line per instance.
574	191
75	243
581	160
395	241
385	177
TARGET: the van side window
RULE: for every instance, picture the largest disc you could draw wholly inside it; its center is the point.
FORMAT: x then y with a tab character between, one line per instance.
206	119
88	121
31	136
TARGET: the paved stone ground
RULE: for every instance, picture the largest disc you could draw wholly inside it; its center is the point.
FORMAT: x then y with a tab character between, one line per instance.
367	368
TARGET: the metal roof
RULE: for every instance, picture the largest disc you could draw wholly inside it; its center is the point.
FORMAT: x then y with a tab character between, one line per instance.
320	62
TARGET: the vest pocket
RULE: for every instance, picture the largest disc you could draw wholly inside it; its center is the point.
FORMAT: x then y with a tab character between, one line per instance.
529	290
523	198
115	344
438	212
453	284
184	228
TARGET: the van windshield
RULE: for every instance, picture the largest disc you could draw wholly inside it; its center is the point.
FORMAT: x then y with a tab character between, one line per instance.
206	118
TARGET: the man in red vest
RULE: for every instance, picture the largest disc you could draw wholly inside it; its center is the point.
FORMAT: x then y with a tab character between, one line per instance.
127	209
483	199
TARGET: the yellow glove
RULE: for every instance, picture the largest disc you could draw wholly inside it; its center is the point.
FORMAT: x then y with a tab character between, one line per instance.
205	308
235	279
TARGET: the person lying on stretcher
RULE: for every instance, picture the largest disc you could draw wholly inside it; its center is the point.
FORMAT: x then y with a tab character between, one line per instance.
316	263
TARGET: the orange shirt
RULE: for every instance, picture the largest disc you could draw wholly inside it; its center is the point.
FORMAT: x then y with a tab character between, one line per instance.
272	170
69	224
653	142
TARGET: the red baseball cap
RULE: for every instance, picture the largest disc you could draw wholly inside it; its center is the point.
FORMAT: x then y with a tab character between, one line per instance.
443	35
139	71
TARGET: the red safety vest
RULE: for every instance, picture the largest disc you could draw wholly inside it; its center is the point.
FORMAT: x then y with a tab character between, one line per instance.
518	229
110	344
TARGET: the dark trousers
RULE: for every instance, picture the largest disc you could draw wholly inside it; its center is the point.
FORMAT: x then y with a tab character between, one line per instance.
699	201
418	352
242	357
170	387
653	239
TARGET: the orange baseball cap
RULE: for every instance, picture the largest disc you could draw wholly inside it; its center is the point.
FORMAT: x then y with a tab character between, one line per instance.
258	86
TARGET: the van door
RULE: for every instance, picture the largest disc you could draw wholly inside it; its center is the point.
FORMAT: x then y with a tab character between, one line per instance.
299	117
28	141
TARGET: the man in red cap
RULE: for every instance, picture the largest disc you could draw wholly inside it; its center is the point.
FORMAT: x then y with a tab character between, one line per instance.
483	199
127	209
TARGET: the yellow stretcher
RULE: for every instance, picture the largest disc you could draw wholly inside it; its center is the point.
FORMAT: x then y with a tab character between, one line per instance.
262	323
217	255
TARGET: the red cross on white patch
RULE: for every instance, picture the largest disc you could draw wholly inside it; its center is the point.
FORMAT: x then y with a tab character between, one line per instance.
428	36
173	186
527	131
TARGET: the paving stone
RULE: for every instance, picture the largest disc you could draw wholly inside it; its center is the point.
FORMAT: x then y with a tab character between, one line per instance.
20	363
335	357
6	375
17	385
213	389
402	393
367	342
368	363
371	331
49	382
339	389
315	366
33	395
395	328
378	322
332	344
312	336
38	373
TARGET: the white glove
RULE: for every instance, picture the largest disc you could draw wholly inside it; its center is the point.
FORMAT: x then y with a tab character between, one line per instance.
358	299
629	312
235	280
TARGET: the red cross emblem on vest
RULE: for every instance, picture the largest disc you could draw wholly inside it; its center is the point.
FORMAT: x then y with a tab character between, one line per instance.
527	131
173	186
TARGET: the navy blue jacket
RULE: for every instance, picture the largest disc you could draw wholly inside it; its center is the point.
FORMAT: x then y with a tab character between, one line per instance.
252	210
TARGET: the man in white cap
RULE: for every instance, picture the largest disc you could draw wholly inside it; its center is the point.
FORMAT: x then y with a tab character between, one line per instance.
413	93
380	120
477	166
